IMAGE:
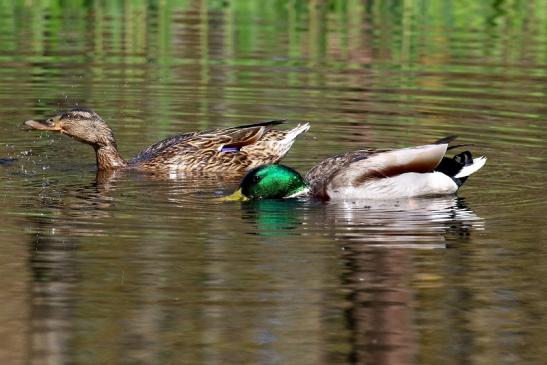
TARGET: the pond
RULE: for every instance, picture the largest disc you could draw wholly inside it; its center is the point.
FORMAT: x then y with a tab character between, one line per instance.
133	268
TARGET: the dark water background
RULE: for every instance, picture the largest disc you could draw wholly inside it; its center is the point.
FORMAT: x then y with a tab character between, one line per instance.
136	269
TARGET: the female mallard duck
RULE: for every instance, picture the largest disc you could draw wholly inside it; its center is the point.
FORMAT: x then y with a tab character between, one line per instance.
235	149
367	174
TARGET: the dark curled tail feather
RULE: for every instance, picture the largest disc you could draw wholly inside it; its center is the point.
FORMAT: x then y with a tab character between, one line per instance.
268	123
449	139
445	140
452	166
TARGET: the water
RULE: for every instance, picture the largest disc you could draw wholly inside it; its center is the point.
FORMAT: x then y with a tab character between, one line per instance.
142	269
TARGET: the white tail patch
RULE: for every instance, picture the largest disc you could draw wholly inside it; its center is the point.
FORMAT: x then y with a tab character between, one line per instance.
301	128
280	147
474	167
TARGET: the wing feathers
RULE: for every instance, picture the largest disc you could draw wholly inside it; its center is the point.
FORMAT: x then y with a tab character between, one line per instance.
392	163
244	137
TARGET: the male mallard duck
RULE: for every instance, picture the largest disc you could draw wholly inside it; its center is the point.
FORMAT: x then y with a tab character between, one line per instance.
367	174
235	149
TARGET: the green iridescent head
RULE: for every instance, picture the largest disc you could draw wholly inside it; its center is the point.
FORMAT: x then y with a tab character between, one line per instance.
272	182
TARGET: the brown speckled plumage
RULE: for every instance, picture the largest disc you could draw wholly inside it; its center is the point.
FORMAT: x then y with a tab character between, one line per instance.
321	174
258	145
330	165
233	150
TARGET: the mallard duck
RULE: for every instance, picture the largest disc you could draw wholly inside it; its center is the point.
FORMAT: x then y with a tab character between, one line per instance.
367	174
236	149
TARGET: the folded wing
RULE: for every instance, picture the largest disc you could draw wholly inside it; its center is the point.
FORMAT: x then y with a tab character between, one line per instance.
418	159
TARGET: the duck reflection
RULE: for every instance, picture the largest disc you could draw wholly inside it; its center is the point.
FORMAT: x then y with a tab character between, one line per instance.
420	223
379	269
375	238
274	217
85	201
95	198
52	256
380	315
75	214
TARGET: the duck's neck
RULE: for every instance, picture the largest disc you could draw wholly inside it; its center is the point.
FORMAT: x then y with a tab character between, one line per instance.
108	158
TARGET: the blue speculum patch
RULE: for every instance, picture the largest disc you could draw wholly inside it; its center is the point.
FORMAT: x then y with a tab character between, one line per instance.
229	149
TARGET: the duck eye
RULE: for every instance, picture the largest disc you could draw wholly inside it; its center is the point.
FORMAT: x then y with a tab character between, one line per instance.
256	178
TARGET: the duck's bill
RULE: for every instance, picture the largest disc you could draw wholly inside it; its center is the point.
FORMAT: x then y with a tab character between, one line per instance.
237	195
40	125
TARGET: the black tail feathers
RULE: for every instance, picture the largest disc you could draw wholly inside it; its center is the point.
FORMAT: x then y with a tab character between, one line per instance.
268	123
451	166
449	139
445	140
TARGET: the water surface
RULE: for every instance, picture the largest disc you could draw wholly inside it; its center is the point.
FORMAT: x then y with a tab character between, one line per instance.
135	268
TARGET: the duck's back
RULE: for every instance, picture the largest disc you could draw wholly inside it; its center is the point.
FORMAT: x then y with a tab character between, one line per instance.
360	173
326	168
160	147
319	175
236	149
